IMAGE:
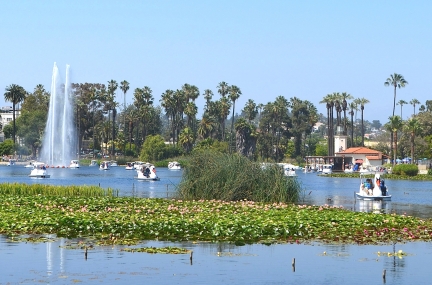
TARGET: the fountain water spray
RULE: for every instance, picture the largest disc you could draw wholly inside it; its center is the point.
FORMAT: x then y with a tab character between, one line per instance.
59	142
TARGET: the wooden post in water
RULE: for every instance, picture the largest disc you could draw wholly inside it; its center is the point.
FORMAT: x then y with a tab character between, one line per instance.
191	256
85	254
293	264
384	275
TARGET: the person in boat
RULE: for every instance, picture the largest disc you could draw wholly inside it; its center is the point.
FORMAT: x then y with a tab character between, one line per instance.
383	188
147	172
43	167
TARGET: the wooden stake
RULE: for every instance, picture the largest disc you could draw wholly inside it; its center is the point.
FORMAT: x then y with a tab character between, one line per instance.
384	274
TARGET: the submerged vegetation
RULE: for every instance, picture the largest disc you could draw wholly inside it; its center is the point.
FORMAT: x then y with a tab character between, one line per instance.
123	220
212	175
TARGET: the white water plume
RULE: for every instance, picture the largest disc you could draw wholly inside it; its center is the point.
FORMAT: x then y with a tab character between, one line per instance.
59	141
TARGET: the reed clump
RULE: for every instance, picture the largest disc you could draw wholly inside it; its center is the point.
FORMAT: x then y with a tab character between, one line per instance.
232	177
21	189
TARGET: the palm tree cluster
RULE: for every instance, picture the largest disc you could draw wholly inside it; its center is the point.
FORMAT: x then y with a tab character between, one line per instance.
260	131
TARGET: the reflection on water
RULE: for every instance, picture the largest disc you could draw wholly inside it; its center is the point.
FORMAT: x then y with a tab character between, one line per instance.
215	263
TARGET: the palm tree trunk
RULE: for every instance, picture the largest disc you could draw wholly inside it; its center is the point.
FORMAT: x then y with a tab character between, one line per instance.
362	128
395	147
352	130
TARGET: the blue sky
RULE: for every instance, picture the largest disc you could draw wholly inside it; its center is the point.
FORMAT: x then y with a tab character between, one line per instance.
305	49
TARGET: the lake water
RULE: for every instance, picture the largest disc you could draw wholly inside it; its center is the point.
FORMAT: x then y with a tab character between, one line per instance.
49	263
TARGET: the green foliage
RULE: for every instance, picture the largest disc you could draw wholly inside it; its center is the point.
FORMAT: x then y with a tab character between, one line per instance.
8	131
212	175
290	149
7	147
154	148
405	169
321	149
211	144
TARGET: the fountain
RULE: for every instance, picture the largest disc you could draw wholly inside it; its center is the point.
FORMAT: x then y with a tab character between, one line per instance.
59	140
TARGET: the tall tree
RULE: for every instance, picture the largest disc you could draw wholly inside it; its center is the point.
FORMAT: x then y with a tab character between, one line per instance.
251	110
234	94
223	89
15	94
345	96
363	101
112	87
395	124
413	127
401	103
352	107
414	102
124	86
397	81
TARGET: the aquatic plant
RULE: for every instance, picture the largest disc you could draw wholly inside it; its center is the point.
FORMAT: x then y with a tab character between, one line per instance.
52	190
232	177
126	220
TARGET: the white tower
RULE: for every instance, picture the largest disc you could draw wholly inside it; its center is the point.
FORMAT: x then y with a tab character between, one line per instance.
340	140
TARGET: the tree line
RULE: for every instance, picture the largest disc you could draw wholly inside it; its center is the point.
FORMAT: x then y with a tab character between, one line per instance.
268	132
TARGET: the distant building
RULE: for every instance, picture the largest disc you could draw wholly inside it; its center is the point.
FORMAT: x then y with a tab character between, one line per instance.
6	109
364	155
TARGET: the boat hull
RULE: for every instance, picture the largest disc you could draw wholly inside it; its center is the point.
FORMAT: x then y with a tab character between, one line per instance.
148	178
372	198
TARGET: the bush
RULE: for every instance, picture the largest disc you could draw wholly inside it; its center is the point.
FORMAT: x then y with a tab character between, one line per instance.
405	169
231	177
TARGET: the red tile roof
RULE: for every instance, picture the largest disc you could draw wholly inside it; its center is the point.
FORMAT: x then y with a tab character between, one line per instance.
360	150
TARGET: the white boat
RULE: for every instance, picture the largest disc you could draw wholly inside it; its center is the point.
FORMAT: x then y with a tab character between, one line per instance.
11	162
289	171
39	170
104	165
30	164
129	166
327	169
174	165
74	164
147	172
93	163
373	190
137	164
113	163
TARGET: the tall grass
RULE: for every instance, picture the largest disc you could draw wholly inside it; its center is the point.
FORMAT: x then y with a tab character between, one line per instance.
212	175
20	189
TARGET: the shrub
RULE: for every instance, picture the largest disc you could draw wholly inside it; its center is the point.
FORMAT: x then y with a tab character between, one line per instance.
405	169
231	177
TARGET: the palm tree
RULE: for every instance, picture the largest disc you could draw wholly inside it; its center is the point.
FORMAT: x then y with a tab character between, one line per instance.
124	86
168	103
395	125
251	110
223	88
329	100
234	94
352	106
413	127
208	94
112	87
397	81
414	102
362	101
401	103
15	94
345	96
186	139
